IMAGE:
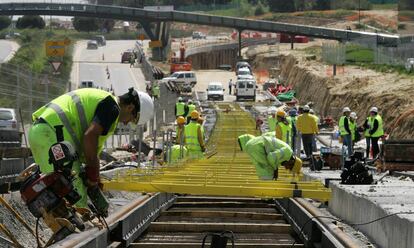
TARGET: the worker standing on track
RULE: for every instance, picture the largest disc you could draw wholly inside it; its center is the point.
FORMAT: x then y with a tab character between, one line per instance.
292	118
313	114
267	153
201	121
181	108
194	137
271	119
374	129
283	128
353	127
179	151
191	107
308	128
345	130
89	117
180	130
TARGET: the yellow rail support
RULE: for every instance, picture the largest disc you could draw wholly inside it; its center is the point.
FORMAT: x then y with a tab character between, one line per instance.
228	172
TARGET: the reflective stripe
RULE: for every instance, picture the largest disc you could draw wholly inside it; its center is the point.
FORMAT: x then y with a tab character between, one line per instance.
282	153
65	121
81	111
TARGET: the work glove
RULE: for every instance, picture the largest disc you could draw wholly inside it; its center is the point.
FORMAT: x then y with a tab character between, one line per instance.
275	174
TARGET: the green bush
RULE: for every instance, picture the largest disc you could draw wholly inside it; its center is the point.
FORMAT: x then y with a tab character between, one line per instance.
4	22
30	21
260	10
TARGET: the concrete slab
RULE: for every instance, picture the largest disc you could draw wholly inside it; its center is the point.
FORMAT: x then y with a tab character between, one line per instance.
364	203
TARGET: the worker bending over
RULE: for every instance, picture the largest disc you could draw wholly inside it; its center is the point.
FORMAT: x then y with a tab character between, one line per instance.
283	128
267	153
89	117
374	130
181	109
345	130
194	137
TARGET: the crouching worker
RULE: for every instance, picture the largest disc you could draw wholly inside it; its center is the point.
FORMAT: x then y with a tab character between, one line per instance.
267	154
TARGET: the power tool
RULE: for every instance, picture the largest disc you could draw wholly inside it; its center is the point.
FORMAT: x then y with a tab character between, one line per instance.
51	196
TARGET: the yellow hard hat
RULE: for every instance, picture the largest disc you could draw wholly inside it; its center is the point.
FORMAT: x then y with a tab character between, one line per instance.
180	120
195	115
281	113
297	166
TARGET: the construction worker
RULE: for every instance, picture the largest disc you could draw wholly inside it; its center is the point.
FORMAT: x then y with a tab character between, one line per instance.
271	119
155	90
292	118
191	107
89	116
308	128
181	108
345	130
230	86
374	131
312	113
283	128
194	137
201	121
267	153
179	139
353	126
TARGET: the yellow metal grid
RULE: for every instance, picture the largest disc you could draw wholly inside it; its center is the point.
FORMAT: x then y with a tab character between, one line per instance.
227	172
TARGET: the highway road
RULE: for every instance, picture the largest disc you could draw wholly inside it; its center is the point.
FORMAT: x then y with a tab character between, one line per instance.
94	64
7	49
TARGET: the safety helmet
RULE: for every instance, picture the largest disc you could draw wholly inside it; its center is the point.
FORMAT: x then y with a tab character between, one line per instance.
190	101
374	109
311	111
144	105
346	109
243	139
306	108
194	115
353	115
180	99
297	165
281	113
180	120
293	112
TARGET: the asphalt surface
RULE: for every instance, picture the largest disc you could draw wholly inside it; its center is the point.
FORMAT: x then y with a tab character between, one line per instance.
103	66
7	49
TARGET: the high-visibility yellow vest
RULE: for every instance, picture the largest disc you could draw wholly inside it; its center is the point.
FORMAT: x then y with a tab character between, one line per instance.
191	108
272	123
342	129
352	127
191	136
177	153
180	108
380	129
366	131
156	90
75	111
286	133
277	151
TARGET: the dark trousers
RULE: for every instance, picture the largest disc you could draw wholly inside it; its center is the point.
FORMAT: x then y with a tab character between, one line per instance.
368	140
307	140
229	90
375	146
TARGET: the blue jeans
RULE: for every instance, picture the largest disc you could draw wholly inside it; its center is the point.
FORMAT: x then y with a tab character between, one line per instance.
347	141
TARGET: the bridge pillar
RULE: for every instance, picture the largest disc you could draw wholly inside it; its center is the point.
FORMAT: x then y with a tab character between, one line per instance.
240	44
292	41
161	33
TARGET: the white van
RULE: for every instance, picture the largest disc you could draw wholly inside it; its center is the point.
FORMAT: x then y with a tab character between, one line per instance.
182	77
246	89
215	91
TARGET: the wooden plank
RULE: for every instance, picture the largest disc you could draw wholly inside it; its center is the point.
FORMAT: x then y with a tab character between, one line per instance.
211	227
223	214
403	152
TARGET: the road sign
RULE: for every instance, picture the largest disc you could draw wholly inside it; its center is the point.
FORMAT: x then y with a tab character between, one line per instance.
56	65
155	43
55	48
45	80
141	37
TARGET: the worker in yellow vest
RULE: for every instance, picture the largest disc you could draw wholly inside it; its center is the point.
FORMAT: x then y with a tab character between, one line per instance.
308	128
191	107
374	130
267	153
271	119
345	130
179	139
201	122
179	151
155	90
353	127
194	137
283	128
181	108
89	116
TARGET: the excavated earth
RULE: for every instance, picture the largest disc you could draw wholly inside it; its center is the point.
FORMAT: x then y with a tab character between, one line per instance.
358	88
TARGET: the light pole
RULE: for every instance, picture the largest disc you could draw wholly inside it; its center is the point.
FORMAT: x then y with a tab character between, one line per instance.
359	12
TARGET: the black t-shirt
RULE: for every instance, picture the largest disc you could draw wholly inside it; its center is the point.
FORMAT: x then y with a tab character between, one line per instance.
106	113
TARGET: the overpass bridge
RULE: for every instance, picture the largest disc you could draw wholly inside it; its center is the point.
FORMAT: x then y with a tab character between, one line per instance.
145	17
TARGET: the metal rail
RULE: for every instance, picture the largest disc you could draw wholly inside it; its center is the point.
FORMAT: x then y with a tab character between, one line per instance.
136	14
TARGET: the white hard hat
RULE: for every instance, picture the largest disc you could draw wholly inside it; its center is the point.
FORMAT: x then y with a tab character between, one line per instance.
190	101
346	109
306	108
353	115
311	111
180	98
146	111
272	110
374	109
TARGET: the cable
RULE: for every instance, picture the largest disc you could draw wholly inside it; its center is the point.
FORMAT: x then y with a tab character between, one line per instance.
350	224
37	233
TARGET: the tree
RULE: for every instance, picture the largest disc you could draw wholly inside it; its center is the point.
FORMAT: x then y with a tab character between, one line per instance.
260	10
108	25
4	22
30	21
85	24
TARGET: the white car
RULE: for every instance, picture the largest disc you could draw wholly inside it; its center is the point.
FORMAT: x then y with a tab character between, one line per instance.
215	91
182	78
409	64
244	73
9	128
246	89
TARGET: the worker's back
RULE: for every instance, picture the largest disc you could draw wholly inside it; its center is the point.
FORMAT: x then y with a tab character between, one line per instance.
306	124
192	143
